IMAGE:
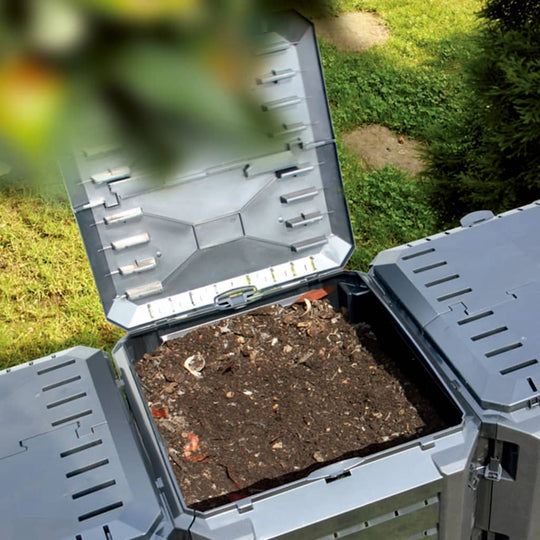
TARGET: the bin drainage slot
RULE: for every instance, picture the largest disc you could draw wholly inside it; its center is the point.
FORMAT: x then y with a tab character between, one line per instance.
429	267
107	531
489	333
71	418
66	400
346	474
60	383
504	349
101	510
87	468
473	318
58	366
442	280
532	385
517	367
93	489
418	254
454	294
81	448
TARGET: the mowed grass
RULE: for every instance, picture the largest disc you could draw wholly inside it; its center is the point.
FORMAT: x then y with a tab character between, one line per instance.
408	84
48	299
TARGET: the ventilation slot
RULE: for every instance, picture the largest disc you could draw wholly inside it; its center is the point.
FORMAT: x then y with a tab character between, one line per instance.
502	350
454	294
489	333
473	318
81	448
418	254
108	535
532	385
93	489
429	267
102	510
66	400
71	418
517	367
442	280
90	467
61	383
58	366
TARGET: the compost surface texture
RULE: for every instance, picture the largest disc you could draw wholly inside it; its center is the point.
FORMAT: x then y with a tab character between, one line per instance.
283	392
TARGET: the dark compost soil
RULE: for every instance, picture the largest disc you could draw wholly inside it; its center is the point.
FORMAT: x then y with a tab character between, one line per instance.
283	391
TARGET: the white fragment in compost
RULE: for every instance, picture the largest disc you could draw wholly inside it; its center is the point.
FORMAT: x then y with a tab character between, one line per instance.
274	341
195	364
247	392
308	307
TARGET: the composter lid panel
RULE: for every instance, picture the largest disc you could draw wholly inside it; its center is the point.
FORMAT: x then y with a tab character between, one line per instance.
256	217
475	292
69	462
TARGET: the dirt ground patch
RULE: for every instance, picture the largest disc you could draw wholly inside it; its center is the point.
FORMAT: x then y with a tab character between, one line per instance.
353	31
377	146
274	395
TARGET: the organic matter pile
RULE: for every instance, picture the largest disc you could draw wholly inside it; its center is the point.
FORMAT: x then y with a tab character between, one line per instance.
261	399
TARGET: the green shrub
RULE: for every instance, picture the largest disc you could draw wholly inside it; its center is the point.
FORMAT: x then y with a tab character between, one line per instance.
489	155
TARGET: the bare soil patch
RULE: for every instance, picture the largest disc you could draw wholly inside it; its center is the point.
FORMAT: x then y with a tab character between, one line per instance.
283	391
377	146
353	31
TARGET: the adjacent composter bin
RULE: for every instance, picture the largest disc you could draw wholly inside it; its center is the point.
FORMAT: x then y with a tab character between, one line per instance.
473	293
238	229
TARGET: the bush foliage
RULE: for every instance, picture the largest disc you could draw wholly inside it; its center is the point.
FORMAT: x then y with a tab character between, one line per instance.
489	155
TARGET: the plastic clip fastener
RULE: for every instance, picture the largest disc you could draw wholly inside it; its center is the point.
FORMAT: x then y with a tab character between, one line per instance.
474	218
235	297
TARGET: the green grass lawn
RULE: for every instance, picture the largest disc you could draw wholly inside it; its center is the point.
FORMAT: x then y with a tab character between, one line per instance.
48	300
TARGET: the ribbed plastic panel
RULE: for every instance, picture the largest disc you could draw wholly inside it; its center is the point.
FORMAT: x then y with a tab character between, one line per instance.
64	474
475	291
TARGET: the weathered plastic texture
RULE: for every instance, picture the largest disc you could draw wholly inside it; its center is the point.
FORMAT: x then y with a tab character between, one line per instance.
259	217
474	293
415	490
69	461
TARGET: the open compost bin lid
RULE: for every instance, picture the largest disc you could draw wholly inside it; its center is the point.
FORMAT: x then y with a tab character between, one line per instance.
232	224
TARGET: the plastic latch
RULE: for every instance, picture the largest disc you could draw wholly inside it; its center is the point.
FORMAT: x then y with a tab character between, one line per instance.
235	297
474	218
493	470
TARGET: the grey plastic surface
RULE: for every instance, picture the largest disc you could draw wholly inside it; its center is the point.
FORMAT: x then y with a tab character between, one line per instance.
69	463
415	490
475	293
265	216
